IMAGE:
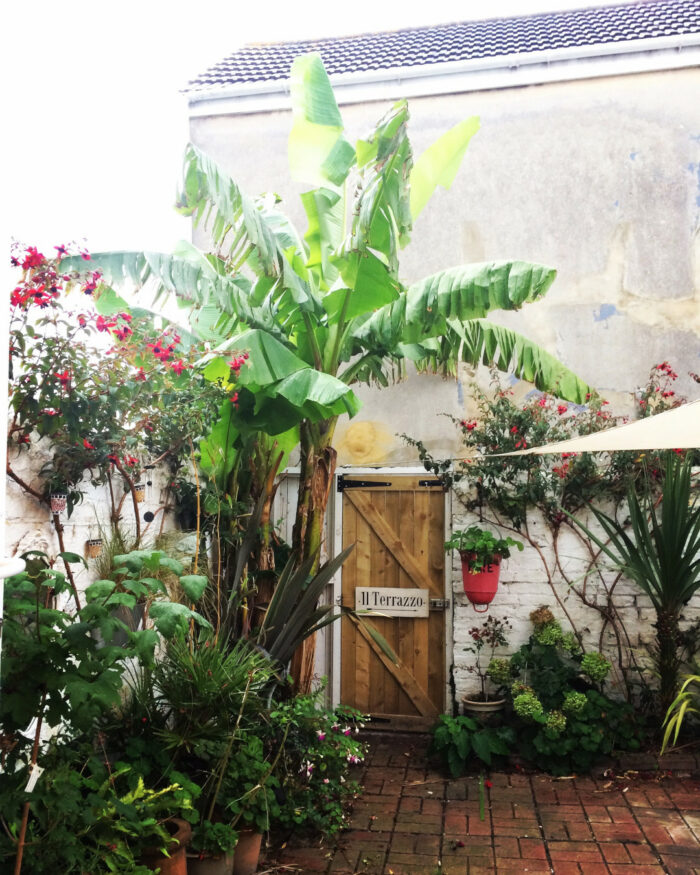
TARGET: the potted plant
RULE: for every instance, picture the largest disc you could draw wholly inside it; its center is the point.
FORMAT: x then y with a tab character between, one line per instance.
212	845
481	553
491	634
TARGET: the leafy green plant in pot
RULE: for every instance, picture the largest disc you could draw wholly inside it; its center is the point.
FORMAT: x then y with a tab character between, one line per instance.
461	740
212	849
660	552
486	638
481	553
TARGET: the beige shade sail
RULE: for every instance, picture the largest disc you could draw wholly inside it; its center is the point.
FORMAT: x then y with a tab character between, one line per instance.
676	429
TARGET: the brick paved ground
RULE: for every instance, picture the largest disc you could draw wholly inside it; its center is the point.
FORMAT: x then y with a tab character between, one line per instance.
411	820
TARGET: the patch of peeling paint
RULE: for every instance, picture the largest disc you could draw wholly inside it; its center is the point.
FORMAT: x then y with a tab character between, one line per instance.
605	312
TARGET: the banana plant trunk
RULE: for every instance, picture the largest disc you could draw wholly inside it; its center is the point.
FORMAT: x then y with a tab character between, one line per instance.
668	639
317	464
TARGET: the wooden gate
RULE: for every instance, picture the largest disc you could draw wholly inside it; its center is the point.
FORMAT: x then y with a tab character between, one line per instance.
397	526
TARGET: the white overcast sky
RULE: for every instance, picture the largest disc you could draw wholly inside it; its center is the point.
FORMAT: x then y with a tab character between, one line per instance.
95	125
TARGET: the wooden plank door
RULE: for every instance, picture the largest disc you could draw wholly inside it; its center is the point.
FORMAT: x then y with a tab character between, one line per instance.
398	532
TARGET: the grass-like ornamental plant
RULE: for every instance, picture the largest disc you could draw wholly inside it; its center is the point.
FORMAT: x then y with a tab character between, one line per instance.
660	552
481	546
686	703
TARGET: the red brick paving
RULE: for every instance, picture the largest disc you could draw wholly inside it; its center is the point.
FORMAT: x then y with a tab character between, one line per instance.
410	819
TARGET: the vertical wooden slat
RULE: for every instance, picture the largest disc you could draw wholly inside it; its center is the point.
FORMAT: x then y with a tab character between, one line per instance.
348	633
363	571
421	524
393	699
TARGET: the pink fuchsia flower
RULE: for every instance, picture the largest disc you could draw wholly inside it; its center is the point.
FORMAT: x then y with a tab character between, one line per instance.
542	402
335	727
87	444
63	377
561	409
33	258
179	367
140	374
326	781
347	731
321	735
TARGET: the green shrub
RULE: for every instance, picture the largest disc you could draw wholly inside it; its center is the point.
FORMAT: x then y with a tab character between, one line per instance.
457	740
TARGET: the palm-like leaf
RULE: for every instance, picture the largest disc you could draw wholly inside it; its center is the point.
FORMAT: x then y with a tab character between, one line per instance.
660	552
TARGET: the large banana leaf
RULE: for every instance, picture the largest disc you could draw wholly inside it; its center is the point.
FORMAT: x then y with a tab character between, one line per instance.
439	164
382	213
318	151
458	293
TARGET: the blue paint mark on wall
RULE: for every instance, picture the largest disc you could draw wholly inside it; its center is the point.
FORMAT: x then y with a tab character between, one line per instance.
616	204
633	156
605	312
460	392
512	380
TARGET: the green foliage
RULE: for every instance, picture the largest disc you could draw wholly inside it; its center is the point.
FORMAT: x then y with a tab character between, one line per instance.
660	552
564	723
684	706
596	667
213	839
457	740
249	785
480	546
314	770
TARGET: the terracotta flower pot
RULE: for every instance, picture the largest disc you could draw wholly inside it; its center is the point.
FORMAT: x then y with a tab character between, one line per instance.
480	586
140	492
245	860
58	502
176	863
93	548
222	865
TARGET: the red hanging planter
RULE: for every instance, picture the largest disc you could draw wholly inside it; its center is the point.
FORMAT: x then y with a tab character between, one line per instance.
480	586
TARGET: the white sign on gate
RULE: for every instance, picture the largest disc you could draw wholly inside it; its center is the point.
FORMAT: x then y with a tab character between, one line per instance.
393	602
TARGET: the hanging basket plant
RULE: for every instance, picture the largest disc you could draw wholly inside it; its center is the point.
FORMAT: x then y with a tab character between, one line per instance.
481	553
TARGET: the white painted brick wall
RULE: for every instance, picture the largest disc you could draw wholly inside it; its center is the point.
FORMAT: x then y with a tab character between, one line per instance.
28	525
523	587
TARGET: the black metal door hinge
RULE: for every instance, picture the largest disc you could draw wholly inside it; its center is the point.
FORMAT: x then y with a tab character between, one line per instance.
346	483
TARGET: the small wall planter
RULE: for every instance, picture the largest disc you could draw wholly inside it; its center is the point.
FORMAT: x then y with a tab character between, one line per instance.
93	548
481	586
58	502
245	860
140	492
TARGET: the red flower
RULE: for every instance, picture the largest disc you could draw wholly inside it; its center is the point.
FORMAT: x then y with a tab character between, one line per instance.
130	461
103	324
561	409
234	400
667	394
488	784
33	258
470	426
542	402
23	439
60	251
63	378
87	444
140	374
514	429
179	367
112	458
85	255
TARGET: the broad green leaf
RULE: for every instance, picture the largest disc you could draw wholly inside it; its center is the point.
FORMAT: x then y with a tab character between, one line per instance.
193	585
439	164
370	282
217	450
483	341
172	618
324	210
268	362
108	302
171	564
71	558
318	151
217	369
309	387
99	589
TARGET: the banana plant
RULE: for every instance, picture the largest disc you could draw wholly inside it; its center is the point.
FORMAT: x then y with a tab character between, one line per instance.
319	313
